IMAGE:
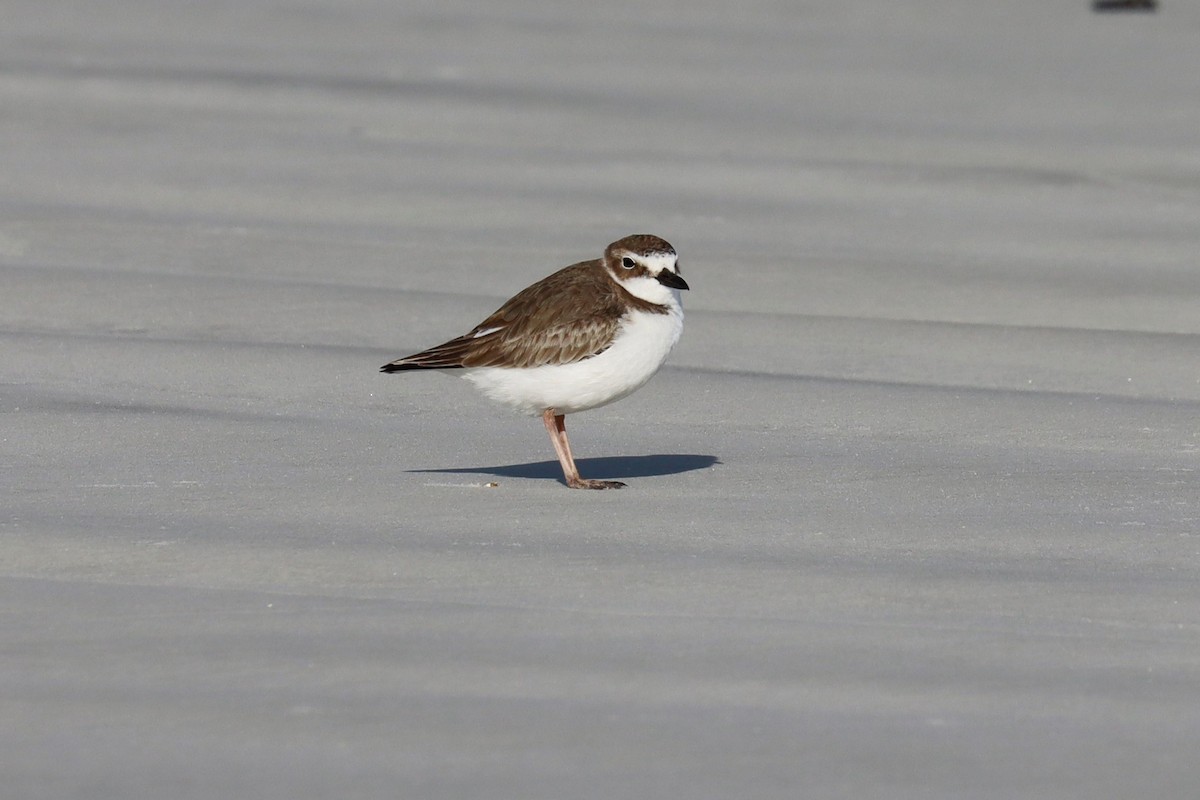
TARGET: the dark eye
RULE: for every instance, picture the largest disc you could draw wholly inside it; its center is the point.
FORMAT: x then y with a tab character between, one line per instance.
628	263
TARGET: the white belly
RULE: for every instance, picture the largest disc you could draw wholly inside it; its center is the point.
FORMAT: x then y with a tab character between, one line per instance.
640	348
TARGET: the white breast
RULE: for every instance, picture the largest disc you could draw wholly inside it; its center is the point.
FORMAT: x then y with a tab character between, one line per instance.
641	346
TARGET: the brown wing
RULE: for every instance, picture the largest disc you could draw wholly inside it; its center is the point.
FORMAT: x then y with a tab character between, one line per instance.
569	316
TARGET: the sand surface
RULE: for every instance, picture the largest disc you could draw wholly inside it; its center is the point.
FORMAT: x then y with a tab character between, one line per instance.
914	508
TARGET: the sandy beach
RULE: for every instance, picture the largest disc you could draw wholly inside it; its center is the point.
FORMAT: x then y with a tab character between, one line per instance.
913	508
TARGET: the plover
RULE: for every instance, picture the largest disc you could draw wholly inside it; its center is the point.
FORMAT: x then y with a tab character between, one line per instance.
579	339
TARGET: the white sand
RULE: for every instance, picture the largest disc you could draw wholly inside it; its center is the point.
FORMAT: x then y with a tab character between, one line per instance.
914	510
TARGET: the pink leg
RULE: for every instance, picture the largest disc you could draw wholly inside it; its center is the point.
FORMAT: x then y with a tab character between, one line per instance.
556	426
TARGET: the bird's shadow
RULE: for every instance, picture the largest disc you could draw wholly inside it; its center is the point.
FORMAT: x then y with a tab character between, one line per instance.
609	467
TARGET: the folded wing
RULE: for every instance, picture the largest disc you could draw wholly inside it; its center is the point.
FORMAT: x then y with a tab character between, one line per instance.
571	315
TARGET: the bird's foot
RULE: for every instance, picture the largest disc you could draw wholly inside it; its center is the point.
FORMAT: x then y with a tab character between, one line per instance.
585	483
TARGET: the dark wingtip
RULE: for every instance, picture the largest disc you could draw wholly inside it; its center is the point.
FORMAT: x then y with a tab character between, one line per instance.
405	366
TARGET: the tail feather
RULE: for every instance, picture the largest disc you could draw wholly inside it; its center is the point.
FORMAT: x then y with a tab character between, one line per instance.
401	366
445	356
